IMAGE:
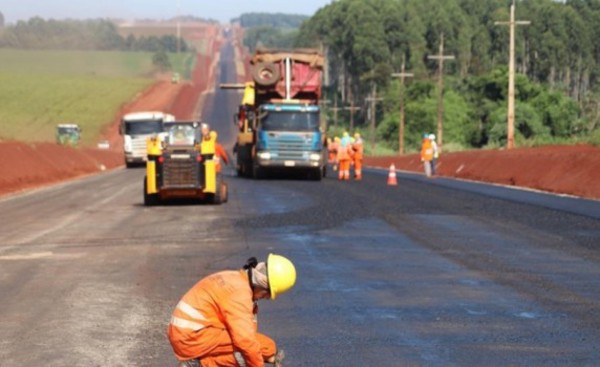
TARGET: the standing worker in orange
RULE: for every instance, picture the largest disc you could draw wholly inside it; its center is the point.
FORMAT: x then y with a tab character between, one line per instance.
333	152
436	153
219	151
344	158
214	324
426	154
358	148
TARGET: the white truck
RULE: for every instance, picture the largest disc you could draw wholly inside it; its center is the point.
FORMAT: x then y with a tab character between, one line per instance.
136	128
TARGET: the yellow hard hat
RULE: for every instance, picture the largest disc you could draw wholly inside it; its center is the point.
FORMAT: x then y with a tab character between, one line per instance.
346	134
356	135
281	273
213	135
336	139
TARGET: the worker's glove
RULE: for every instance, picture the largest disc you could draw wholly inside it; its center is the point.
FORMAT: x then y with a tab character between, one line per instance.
279	358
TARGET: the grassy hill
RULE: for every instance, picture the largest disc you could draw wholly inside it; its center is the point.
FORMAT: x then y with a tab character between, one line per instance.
40	89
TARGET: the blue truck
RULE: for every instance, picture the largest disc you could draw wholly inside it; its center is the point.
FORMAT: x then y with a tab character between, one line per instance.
279	118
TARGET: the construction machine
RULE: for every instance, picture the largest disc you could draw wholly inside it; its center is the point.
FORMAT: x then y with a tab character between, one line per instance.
183	164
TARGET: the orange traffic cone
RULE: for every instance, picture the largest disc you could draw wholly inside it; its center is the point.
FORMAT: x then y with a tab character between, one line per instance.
392	176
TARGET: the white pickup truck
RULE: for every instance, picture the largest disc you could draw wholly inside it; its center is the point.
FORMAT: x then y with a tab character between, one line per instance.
136	128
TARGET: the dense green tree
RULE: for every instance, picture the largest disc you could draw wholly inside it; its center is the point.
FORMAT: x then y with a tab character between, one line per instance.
276	20
366	41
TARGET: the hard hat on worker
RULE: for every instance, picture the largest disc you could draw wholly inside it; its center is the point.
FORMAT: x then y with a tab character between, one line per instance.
345	134
281	274
431	136
356	135
426	136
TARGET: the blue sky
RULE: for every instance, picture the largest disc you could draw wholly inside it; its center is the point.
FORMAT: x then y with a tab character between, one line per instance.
222	10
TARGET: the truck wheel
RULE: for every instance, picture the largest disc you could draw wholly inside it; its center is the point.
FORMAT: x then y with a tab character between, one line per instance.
149	199
266	74
257	172
316	174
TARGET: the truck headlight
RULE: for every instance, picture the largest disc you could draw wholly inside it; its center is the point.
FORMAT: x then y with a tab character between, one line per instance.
264	155
315	156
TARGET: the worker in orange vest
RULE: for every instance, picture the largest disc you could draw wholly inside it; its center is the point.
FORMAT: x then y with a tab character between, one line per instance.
333	152
344	158
358	148
219	151
426	154
214	324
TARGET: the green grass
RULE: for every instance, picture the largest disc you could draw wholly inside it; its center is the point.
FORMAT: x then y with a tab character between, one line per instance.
183	64
40	89
100	63
31	105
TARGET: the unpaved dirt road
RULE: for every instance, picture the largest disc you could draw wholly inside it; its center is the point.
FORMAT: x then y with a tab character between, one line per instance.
426	273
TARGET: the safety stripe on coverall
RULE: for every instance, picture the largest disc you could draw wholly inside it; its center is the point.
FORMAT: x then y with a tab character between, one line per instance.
186	324
190	311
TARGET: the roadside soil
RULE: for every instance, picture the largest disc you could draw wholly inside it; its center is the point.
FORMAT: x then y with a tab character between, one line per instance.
572	169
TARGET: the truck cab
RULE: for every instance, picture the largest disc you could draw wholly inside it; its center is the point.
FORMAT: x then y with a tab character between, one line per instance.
288	136
136	128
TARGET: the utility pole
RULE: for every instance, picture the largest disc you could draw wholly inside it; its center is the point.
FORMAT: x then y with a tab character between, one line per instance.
440	110
352	109
510	138
402	74
323	103
335	110
373	101
178	26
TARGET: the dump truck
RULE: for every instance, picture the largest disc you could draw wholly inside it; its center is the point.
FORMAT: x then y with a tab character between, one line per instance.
279	117
68	134
181	164
136	128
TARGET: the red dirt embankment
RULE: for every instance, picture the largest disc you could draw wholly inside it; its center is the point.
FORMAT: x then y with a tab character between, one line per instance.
573	169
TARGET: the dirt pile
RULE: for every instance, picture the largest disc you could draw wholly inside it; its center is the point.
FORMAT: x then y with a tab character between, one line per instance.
573	169
26	166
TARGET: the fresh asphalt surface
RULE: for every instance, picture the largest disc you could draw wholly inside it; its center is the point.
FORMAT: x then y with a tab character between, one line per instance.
426	273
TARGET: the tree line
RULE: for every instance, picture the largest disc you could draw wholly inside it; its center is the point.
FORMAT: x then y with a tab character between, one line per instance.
557	55
97	34
275	20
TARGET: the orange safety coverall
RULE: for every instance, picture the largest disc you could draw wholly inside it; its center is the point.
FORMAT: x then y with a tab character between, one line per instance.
427	155
344	158
426	150
222	154
358	149
216	317
332	150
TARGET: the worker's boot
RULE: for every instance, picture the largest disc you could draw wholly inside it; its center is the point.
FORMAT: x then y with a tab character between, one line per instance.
189	363
279	357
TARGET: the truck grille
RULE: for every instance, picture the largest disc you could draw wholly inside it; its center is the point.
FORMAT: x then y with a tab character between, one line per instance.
180	173
138	147
290	148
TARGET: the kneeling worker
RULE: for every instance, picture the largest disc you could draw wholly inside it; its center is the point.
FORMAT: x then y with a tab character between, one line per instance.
214	324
